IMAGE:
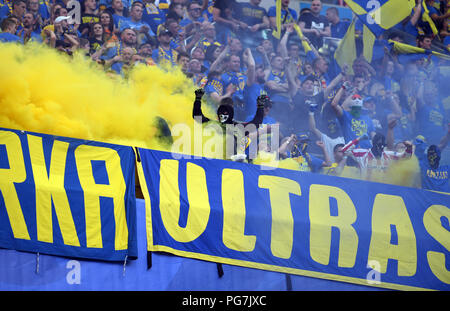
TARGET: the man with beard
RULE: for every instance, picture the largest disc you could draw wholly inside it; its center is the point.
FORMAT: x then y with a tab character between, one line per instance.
225	119
29	32
128	39
239	79
433	175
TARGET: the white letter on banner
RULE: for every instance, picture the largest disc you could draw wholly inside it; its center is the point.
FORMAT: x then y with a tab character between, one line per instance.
74	275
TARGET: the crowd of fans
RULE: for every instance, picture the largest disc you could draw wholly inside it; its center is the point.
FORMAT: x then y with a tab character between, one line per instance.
363	114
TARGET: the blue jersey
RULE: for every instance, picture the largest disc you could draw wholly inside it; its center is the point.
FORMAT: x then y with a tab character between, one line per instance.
7	37
153	16
277	97
290	18
432	179
162	56
430	123
239	80
251	93
128	23
340	29
314	165
214	86
353	128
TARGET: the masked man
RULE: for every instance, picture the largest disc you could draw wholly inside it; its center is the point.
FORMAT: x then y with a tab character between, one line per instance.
354	124
225	115
433	175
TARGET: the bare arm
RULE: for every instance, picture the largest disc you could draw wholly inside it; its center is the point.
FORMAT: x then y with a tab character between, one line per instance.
335	103
312	125
248	58
417	14
326	156
390	134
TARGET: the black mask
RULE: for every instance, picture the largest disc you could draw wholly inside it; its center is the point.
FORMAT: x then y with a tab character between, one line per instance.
223	111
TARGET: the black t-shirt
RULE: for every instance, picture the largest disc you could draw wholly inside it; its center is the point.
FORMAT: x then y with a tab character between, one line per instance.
328	123
86	21
301	110
223	5
314	22
250	14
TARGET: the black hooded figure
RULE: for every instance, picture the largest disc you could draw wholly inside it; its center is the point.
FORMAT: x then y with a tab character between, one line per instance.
225	113
378	144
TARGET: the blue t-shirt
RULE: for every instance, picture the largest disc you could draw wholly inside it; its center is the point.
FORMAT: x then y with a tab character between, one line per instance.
128	23
315	165
239	80
214	86
340	29
251	94
432	179
187	21
290	18
353	128
153	16
161	56
7	37
430	123
277	97
117	19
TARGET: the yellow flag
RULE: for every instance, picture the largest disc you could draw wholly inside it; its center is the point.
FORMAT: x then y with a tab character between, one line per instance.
305	44
368	41
277	33
426	18
346	51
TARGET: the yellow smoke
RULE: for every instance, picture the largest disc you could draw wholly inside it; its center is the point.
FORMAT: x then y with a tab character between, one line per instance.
44	91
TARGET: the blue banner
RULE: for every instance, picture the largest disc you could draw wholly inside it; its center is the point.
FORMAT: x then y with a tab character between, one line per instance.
67	197
296	222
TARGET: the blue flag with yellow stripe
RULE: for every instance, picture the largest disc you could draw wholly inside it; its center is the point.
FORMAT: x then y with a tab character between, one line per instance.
381	15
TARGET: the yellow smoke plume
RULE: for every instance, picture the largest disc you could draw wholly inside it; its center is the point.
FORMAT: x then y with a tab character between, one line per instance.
44	91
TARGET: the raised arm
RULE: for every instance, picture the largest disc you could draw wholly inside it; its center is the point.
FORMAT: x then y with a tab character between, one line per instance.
335	102
250	61
197	110
259	115
444	141
312	121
